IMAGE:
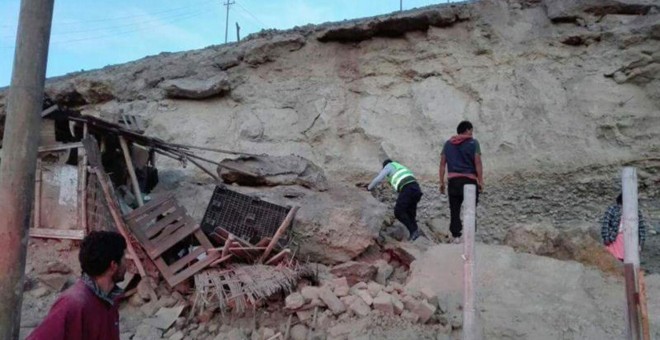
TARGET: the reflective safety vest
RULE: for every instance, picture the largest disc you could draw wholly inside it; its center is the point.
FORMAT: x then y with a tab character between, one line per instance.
400	177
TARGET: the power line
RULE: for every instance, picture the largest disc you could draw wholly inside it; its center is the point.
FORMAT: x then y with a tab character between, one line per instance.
252	15
126	25
151	14
116	34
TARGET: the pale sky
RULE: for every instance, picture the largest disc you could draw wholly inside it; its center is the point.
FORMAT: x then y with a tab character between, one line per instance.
91	34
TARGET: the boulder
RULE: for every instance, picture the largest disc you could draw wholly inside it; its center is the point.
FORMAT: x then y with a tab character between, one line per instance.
412	317
299	332
266	170
360	308
374	288
310	293
384	271
192	88
365	296
340	286
424	310
355	272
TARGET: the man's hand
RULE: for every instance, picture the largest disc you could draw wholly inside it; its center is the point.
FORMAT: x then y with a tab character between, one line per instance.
442	188
480	185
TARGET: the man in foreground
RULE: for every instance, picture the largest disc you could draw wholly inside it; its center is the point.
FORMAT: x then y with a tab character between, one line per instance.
461	155
403	181
90	308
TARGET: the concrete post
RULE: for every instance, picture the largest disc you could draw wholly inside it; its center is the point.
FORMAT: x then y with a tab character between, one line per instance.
20	145
469	225
630	223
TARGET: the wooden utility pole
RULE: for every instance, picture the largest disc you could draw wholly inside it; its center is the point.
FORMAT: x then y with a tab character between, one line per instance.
630	223
20	144
228	3
238	32
469	226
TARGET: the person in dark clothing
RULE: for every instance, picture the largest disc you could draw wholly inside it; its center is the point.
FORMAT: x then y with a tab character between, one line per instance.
89	309
611	228
461	156
403	181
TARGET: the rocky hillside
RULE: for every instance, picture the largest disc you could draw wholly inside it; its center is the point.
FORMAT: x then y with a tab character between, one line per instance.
551	85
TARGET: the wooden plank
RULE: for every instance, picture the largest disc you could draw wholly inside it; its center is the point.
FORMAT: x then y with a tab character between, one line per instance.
220	260
163	267
225	249
278	234
57	233
646	332
155	212
631	301
168	231
278	257
93	153
164	245
182	262
149	206
157	227
131	170
190	271
60	147
203	240
49	110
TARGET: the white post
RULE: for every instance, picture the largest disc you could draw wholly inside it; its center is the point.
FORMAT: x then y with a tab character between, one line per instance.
630	224
629	216
469	223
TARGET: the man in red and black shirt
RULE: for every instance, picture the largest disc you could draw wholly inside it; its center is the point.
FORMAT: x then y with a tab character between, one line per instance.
461	155
89	309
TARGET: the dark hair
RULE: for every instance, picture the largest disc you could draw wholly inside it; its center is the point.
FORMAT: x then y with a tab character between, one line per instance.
619	199
463	126
99	249
386	162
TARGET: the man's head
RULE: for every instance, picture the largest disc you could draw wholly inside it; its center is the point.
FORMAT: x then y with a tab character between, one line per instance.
386	162
464	128
102	254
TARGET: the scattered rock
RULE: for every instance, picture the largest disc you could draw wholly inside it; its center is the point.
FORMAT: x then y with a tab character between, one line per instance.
299	332
146	331
412	317
143	290
310	293
424	310
430	296
331	300
360	308
355	272
177	336
340	286
374	288
366	297
294	301
348	300
39	292
57	282
57	267
383	303
305	315
398	305
384	271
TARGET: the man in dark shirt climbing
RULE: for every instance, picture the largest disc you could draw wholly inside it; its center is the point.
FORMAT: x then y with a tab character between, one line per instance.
403	181
461	155
89	309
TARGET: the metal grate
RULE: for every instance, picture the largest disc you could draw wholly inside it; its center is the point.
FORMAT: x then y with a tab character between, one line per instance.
245	216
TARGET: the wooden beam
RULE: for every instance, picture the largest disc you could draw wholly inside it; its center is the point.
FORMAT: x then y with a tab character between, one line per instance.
37	195
84	181
57	233
279	256
278	234
60	147
121	227
49	110
631	302
646	332
131	170
469	223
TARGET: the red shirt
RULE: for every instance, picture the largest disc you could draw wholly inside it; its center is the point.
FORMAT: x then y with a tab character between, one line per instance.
78	314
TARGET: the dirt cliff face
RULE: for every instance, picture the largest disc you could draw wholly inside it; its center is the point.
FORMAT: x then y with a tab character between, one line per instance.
550	85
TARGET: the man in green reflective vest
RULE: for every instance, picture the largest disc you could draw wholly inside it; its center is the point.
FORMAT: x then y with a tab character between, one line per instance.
403	181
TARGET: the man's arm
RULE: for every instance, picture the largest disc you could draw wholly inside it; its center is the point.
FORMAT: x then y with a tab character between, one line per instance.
641	229
383	173
605	232
441	172
480	171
